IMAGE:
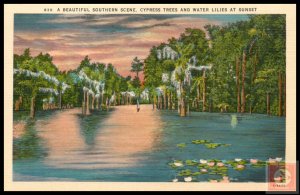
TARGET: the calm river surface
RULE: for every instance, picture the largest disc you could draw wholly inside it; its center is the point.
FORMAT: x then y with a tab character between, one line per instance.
123	145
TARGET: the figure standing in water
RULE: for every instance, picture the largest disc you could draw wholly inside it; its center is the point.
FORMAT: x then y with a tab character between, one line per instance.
137	105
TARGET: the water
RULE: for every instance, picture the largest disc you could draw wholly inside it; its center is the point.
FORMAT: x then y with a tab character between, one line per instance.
123	145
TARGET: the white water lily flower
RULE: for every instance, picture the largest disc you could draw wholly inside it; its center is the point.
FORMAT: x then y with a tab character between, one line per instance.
203	161
238	159
178	164
203	170
188	179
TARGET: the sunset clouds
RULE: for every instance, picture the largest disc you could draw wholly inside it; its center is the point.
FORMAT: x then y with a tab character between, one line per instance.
115	39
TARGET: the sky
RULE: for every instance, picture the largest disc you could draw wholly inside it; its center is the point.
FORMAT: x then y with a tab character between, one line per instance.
115	39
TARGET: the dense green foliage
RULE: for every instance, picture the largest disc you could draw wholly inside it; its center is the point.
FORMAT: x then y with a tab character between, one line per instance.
28	87
248	65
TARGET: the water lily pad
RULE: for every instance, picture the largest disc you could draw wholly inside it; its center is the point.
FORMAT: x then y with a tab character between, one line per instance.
196	173
186	172
191	162
200	141
176	164
181	145
212	145
234	163
172	165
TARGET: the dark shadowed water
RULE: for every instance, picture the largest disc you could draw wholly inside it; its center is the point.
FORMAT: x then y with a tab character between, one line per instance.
64	146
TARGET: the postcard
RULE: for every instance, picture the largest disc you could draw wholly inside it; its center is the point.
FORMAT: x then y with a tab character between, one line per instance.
150	97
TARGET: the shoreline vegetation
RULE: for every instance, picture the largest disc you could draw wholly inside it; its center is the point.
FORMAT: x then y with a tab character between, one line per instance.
235	68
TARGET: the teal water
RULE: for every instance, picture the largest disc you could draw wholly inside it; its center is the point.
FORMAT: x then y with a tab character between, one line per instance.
38	152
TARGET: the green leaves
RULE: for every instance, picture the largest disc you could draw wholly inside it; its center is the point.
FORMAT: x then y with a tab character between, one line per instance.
200	141
186	172
191	162
181	145
208	144
212	145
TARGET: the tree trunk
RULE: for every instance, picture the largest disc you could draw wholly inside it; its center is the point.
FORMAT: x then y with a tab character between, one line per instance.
237	72
178	104
280	94
107	104
210	106
170	100
18	103
254	67
204	92
243	109
160	102
268	103
198	97
60	100
87	104
182	107
102	99
154	103
188	106
93	103
165	99
32	107
173	98
182	102
97	102
84	103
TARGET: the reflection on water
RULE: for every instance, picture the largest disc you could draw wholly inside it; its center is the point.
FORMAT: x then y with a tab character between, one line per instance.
77	142
129	132
27	144
125	145
234	121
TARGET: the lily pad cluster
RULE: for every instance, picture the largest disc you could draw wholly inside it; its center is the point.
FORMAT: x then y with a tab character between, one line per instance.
216	169
209	144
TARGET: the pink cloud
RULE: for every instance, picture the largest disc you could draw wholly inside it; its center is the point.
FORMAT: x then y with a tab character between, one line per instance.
68	47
